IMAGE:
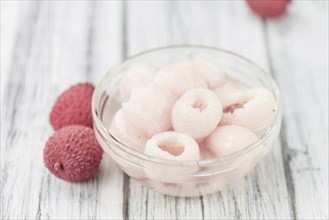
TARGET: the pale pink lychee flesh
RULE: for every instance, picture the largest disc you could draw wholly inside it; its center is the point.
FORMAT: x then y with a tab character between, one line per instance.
187	112
197	113
193	97
253	109
209	70
149	109
173	146
179	78
135	77
229	139
124	132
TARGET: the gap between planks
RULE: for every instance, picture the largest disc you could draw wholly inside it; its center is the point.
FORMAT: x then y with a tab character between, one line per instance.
126	178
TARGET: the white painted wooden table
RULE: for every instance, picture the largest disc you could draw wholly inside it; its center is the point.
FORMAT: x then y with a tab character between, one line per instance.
47	46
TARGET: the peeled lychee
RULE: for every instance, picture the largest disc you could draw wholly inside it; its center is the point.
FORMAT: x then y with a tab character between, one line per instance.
210	71
197	113
73	153
135	77
254	109
268	8
173	145
229	86
125	133
180	78
149	109
73	107
229	139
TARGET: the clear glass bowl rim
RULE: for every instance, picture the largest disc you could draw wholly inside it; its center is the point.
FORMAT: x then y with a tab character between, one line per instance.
105	133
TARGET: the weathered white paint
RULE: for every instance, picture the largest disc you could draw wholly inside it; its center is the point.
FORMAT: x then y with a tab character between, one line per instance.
8	32
57	44
298	47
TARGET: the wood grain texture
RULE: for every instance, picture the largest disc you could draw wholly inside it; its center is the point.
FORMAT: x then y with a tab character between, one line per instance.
7	34
301	69
58	44
51	45
229	25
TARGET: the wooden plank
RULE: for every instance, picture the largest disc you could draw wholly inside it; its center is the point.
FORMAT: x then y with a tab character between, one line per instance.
230	25
298	45
106	35
8	32
147	30
58	44
144	31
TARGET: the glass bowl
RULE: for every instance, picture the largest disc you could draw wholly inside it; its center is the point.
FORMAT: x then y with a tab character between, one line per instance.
183	178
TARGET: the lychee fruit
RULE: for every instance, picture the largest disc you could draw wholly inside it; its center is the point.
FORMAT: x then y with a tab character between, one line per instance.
148	109
73	153
254	108
173	145
228	139
197	113
134	77
211	71
121	129
73	107
268	8
180	78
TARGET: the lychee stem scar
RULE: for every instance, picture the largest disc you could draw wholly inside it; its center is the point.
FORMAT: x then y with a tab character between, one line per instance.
58	166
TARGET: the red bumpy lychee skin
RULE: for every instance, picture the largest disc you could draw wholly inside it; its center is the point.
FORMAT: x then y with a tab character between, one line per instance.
73	153
73	107
268	8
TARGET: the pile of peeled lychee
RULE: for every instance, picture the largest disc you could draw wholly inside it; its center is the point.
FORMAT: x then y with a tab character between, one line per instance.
189	111
72	153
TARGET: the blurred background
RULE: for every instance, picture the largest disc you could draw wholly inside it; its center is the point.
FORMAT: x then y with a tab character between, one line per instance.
46	46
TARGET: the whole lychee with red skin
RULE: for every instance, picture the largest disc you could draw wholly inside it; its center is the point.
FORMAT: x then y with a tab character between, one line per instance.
269	8
72	153
73	107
